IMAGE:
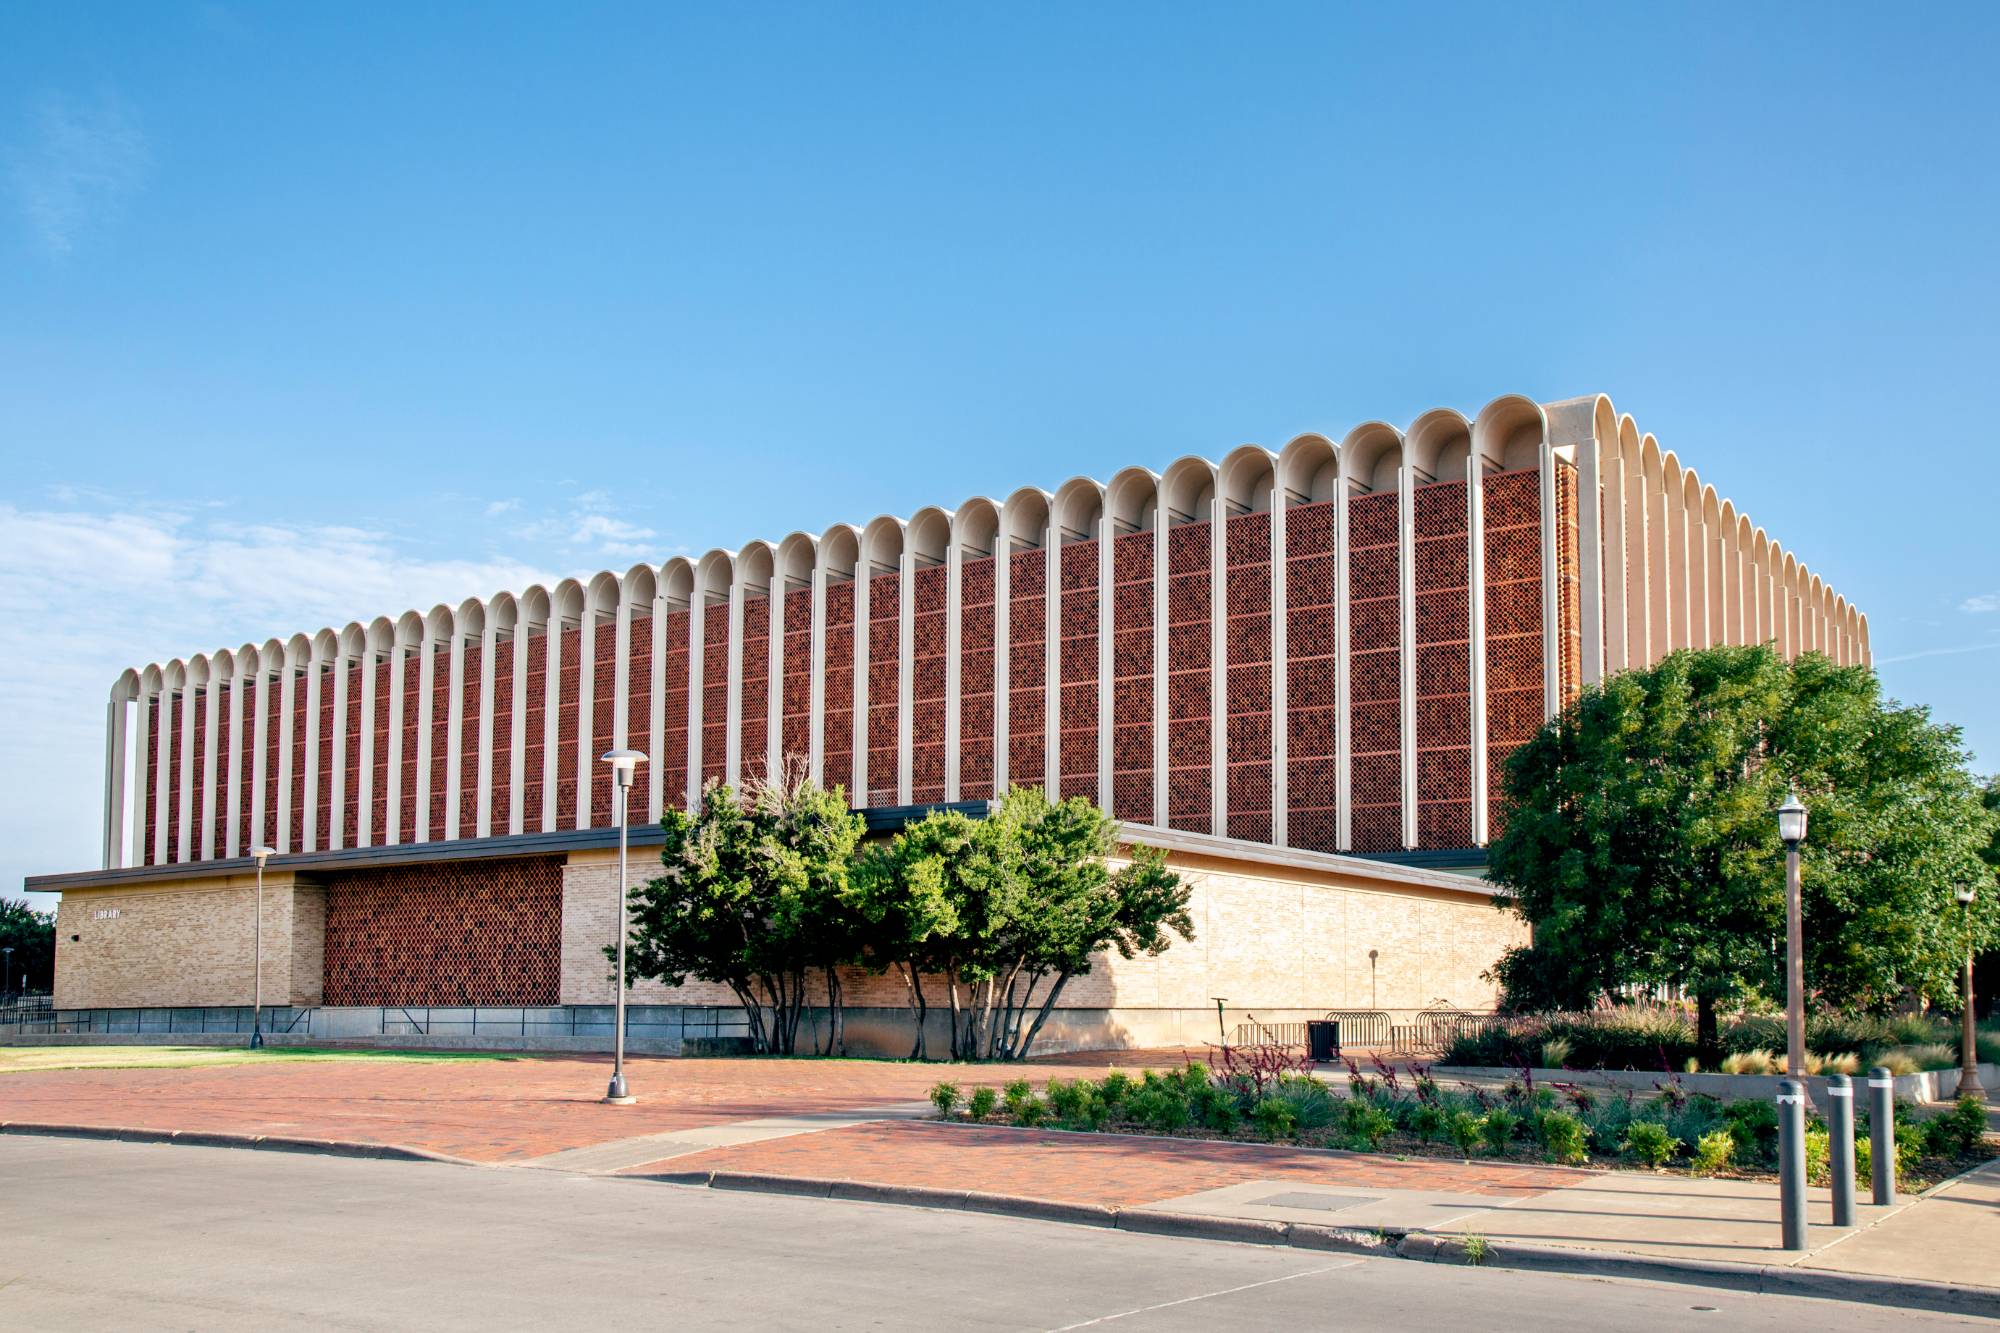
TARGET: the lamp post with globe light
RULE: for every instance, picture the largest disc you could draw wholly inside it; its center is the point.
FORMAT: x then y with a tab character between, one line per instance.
1792	832
1968	1072
622	762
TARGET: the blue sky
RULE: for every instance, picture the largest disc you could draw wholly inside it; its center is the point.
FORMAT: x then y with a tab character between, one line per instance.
313	312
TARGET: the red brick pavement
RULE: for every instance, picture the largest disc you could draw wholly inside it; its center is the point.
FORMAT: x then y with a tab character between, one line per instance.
1116	1169
484	1110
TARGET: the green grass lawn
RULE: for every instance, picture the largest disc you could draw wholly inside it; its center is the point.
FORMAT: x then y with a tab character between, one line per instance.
21	1059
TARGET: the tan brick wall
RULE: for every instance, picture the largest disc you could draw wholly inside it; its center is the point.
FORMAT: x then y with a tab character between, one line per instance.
1266	938
187	944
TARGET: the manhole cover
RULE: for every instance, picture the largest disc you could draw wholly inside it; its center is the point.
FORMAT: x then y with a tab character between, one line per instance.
1301	1199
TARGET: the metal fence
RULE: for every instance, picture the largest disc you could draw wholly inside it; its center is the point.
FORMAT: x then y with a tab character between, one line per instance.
1435	1030
1361	1028
662	1023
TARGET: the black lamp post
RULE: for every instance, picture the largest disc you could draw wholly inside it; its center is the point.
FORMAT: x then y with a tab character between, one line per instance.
1968	1071
622	762
1792	832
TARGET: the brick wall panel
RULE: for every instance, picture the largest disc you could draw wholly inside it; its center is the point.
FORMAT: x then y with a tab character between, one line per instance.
755	724
837	725
674	708
884	683
714	691
1027	634
534	742
1189	799
1375	665
463	933
975	679
927	696
501	808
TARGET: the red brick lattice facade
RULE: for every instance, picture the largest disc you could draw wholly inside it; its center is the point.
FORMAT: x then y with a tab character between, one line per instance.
485	932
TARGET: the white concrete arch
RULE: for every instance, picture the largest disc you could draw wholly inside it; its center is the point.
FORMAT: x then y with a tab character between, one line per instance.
1742	577
1673	491
603	610
439	633
407	639
1639	576
151	711
975	536
1077	515
1842	627
1024	526
1865	653
1659	568
1811	611
264	776
882	552
1791	604
677	777
1713	577
379	640
1442	446
125	692
1132	505
1514	431
837	561
216	760
1437	445
469	626
927	544
1584	431
173	710
1249	483
502	626
195	714
350	648
1762	586
1191	492
751	580
1308	473
1382	457
242	836
792	603
636	723
1371	461
714	584
295	656
566	612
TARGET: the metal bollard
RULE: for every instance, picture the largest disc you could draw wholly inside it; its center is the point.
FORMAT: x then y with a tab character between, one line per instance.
1882	1132
1792	1162
1840	1146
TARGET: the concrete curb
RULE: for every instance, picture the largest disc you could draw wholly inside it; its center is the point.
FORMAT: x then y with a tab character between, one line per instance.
205	1138
1417	1246
1759	1279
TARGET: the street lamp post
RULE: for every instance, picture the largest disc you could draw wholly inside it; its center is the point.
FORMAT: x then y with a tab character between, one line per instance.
1792	832
9	952
262	854
1968	1072
622	762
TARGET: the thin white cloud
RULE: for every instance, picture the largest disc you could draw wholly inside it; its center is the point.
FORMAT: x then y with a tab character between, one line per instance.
1983	604
75	165
87	592
1994	646
496	508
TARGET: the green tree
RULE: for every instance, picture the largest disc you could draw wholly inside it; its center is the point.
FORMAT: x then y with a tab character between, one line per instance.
31	934
1640	842
751	896
903	906
1010	908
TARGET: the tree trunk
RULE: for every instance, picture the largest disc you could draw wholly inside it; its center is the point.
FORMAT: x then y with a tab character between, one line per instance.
1707	1033
915	995
753	1013
951	992
836	1018
1062	979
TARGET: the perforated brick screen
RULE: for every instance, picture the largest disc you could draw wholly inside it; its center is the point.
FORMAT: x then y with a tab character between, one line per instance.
1076	742
1444	675
1312	719
468	932
754	745
885	673
1247	634
714	690
1189	800
1027	637
1513	536
1375	695
837	734
674	724
1132	677
975	680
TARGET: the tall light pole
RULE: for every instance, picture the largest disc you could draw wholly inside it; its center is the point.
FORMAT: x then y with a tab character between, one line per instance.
622	762
1968	1056
262	854
1792	832
9	952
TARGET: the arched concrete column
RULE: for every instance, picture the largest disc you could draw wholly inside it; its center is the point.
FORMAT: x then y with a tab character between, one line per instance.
715	577
836	559
881	553
379	643
1077	515
194	680
1308	473
1673	491
1371	462
1024	525
566	609
1192	494
468	626
975	536
531	625
124	691
927	545
220	668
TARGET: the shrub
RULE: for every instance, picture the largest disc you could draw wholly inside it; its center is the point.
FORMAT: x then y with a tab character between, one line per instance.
1159	1107
1071	1100
1563	1137
1275	1118
1899	1062
1030	1112
1933	1055
1957	1132
1465	1131
1695	1117
1756	1061
1369	1125
1017	1095
1214	1107
1313	1104
1556	1052
944	1096
1649	1141
1426	1122
1712	1152
1819	1157
1499	1127
981	1104
1754	1126
1114	1089
1841	1062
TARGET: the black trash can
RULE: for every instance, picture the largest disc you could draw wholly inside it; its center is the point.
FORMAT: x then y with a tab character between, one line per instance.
1322	1040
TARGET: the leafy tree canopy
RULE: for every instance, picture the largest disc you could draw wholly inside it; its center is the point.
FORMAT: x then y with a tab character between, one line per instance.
1641	841
31	934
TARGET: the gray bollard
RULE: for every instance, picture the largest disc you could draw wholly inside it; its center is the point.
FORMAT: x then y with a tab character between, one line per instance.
1882	1132
1840	1146
1792	1162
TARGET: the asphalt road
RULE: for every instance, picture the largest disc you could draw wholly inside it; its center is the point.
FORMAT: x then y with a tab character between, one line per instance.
102	1235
